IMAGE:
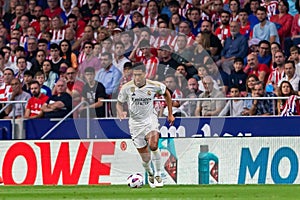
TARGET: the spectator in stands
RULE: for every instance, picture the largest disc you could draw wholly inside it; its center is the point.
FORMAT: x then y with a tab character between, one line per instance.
56	58
5	88
262	107
37	62
67	54
175	92
223	31
294	56
210	41
264	55
88	59
77	24
127	38
43	45
265	30
43	25
53	9
28	77
189	107
195	21
251	79
109	75
40	77
184	55
150	20
95	23
127	74
233	107
234	46
59	105
283	21
33	107
22	67
50	76
212	10
285	90
164	35
274	48
253	67
278	72
105	13
119	58
234	7
125	18
167	65
66	6
57	29
211	107
88	9
181	78
150	61
238	77
218	75
31	48
93	92
17	110
291	76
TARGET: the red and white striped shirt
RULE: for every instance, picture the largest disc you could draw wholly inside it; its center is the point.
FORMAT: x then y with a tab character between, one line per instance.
271	7
150	22
182	10
57	35
275	76
160	41
5	92
151	65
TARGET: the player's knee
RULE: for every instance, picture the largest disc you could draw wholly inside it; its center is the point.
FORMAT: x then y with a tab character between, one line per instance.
153	147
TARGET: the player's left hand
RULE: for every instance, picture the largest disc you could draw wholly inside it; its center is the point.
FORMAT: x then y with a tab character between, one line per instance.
171	119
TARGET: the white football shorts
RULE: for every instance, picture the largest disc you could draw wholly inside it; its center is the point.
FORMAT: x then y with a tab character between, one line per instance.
139	131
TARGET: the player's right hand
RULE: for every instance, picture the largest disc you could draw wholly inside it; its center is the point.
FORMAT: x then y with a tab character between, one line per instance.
122	115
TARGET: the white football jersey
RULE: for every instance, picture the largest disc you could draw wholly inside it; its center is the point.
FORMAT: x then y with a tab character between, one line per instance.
140	100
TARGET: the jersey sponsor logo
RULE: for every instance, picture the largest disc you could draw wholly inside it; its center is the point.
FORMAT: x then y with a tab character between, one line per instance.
141	101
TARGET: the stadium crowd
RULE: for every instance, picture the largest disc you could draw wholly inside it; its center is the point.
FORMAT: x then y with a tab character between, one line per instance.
56	53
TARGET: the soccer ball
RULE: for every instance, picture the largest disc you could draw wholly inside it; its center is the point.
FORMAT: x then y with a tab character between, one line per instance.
135	180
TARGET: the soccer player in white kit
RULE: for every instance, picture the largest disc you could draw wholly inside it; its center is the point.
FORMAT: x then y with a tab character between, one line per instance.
143	119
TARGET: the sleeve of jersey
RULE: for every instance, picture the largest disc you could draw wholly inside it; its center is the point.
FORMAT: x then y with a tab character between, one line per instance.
162	88
122	95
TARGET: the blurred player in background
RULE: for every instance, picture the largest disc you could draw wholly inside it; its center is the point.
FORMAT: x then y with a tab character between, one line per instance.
143	121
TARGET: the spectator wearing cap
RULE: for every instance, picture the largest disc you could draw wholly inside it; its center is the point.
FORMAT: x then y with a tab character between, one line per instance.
265	30
167	64
116	34
88	9
125	18
137	17
150	20
105	13
234	46
238	77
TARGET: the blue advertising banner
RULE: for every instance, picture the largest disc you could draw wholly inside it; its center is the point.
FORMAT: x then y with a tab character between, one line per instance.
183	127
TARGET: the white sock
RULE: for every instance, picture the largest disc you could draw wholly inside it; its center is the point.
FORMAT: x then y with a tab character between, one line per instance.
156	159
147	167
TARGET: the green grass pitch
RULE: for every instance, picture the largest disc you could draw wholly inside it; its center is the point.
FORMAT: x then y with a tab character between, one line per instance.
268	192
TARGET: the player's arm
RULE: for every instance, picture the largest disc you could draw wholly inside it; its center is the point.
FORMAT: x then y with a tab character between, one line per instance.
168	99
120	112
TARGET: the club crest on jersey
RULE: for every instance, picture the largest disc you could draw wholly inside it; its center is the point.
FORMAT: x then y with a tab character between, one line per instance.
149	92
132	89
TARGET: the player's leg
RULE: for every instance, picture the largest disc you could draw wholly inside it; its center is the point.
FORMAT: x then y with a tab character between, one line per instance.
142	147
152	139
